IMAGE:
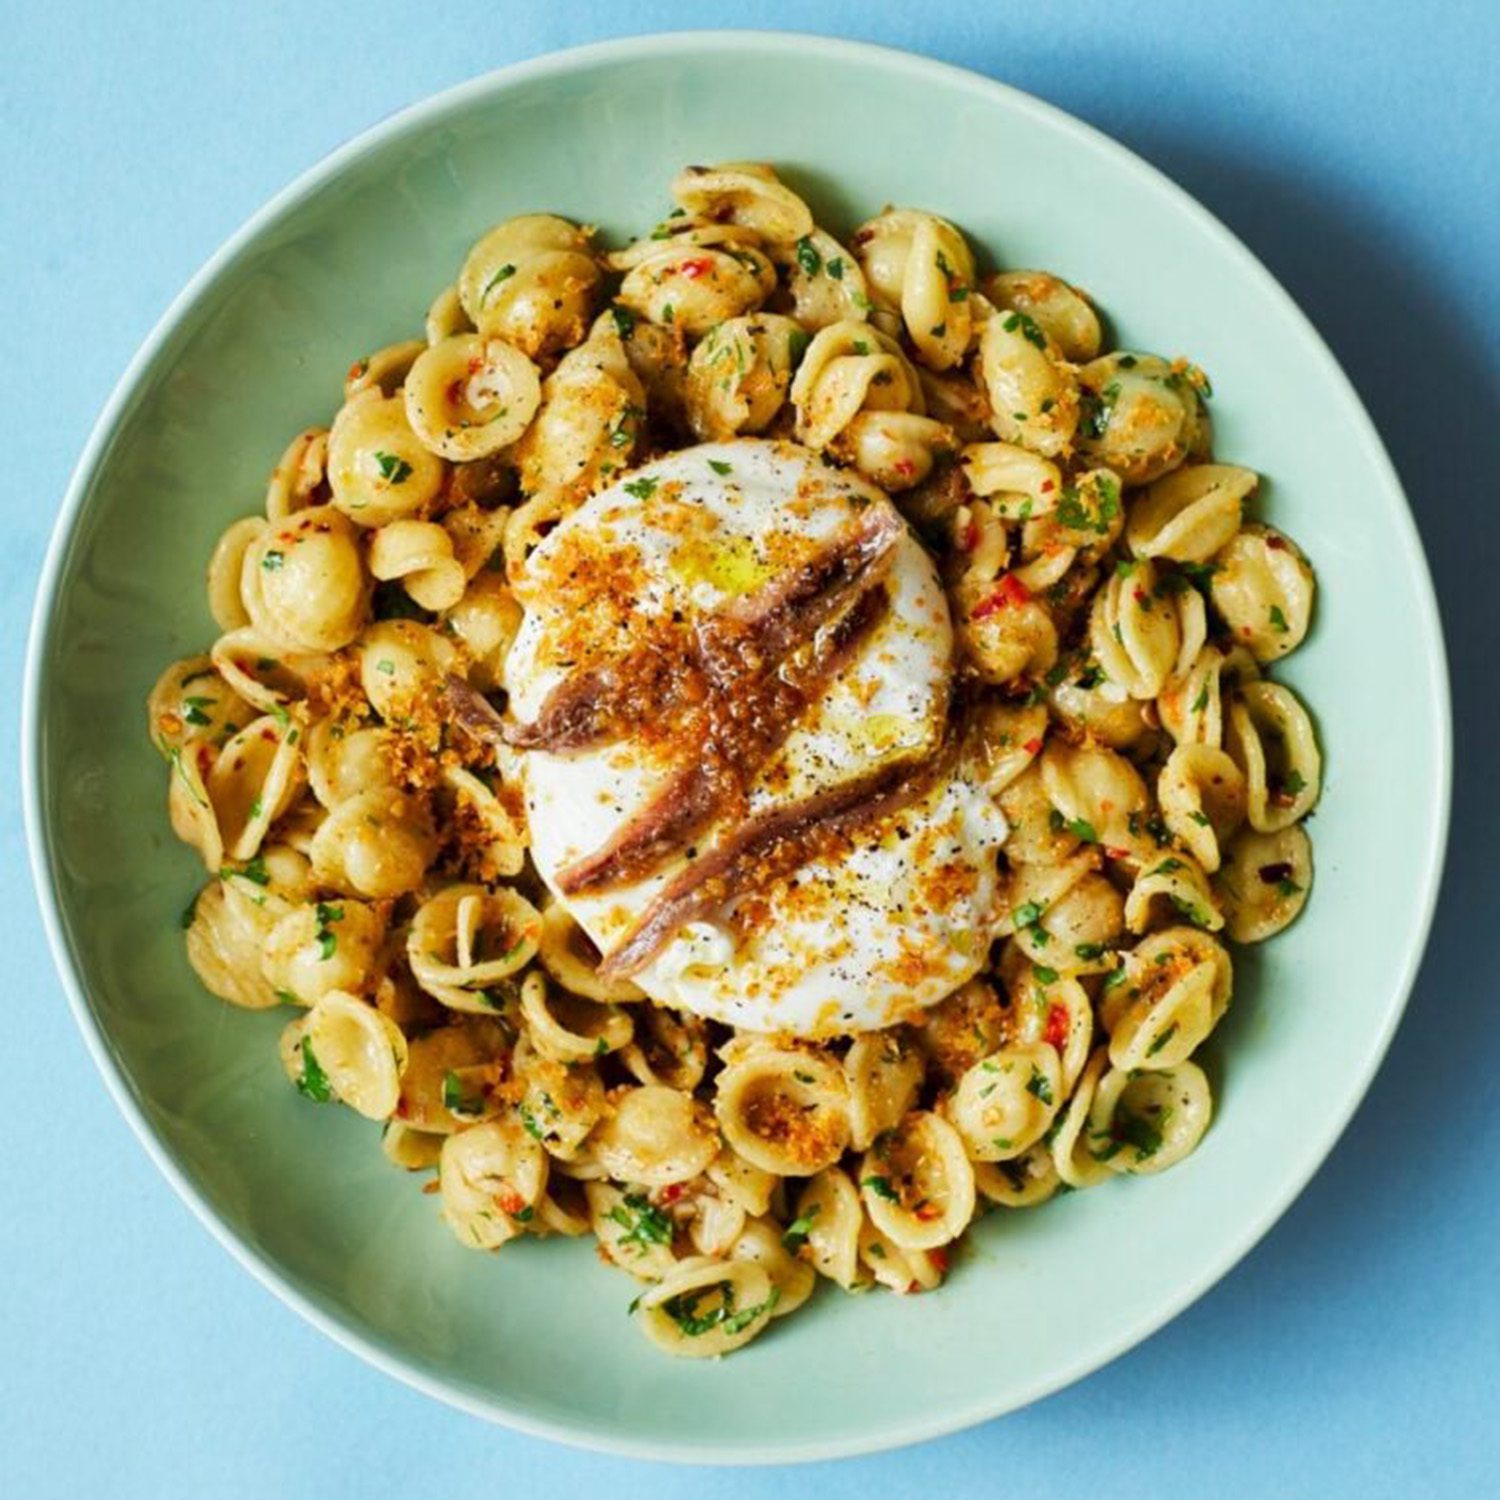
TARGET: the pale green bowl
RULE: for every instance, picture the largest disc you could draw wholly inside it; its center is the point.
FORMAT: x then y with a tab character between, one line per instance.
254	349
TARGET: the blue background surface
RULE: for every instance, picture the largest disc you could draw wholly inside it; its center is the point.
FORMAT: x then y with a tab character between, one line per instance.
1357	1350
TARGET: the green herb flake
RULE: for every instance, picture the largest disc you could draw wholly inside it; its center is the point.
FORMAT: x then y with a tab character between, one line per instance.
1027	914
720	467
1136	1131
644	1224
1038	1087
328	941
455	1101
312	1081
1028	328
624	320
503	274
808	257
1046	975
1162	1040
881	1187
1278	620
683	1311
272	561
393	468
795	1236
642	488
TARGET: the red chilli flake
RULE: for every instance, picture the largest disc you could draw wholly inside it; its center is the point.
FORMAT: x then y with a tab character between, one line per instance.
1032	746
905	467
1009	591
695	269
1117	853
1276	544
939	1259
1059	1023
671	1193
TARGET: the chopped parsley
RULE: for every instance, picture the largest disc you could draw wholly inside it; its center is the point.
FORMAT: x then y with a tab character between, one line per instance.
1027	915
1038	1087
1088	952
327	939
1162	1040
1143	1136
644	1224
393	468
1097	409
1027	326
881	1187
1278	620
624	320
1046	975
795	1236
808	257
683	1311
454	1098
194	713
312	1081
720	467
642	488
835	268
272	561
503	274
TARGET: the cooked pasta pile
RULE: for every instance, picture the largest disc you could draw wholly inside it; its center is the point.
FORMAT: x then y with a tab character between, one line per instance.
1115	612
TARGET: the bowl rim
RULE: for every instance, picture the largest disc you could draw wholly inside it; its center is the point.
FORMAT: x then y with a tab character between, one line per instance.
413	117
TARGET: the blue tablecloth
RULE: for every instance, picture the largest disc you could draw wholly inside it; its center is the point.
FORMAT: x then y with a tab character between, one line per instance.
1357	1351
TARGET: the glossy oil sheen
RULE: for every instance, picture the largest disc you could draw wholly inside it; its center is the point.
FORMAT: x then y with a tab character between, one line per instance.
346	261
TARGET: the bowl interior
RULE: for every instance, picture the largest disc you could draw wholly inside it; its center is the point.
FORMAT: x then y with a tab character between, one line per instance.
346	262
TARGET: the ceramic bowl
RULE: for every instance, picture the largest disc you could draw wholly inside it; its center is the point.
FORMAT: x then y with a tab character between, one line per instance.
255	348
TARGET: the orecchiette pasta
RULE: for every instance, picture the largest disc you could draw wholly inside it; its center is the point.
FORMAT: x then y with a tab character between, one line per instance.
354	758
530	281
469	396
379	469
